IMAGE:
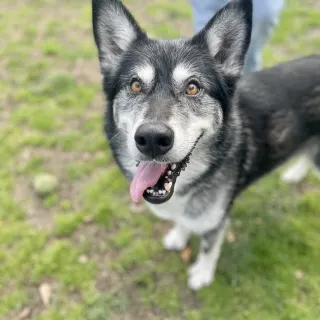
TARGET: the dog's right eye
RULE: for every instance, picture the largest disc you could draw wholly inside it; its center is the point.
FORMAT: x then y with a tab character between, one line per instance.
136	86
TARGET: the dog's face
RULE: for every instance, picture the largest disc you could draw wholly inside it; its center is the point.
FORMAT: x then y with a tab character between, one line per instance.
167	95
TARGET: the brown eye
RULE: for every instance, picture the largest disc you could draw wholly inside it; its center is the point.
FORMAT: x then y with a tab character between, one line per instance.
192	89
135	86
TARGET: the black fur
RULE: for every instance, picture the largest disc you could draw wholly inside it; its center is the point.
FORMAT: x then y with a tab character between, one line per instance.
280	110
256	122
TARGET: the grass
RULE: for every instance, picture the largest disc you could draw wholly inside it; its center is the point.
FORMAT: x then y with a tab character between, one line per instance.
102	259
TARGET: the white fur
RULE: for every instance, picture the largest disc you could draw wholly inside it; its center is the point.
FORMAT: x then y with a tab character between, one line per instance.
133	150
176	238
120	32
297	171
181	73
146	74
214	40
170	210
199	223
186	134
128	121
210	219
202	272
229	24
124	120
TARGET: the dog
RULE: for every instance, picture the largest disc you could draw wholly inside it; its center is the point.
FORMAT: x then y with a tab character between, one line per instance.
190	131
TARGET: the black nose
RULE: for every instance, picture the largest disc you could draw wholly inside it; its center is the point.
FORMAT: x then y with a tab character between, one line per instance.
154	139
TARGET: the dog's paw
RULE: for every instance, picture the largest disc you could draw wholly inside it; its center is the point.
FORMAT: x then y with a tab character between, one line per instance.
175	239
291	177
296	172
199	276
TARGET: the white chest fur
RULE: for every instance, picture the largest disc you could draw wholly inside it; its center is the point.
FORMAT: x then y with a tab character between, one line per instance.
198	223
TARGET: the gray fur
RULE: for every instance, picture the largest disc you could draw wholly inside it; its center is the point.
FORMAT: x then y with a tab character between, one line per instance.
249	126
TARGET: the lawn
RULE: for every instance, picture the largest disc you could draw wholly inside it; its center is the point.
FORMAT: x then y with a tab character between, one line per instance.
82	251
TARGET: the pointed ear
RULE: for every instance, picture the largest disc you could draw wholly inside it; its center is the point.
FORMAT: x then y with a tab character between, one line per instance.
114	31
227	35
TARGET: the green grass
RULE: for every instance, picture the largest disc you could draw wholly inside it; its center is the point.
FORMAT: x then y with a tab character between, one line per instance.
102	259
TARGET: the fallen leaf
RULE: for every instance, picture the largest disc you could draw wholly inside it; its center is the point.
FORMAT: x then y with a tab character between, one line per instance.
83	259
24	314
45	291
231	237
186	255
137	207
26	155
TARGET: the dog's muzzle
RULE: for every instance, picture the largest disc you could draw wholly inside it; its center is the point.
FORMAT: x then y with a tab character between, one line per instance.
155	181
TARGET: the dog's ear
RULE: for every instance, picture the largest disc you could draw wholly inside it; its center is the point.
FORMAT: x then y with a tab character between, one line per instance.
114	31
227	35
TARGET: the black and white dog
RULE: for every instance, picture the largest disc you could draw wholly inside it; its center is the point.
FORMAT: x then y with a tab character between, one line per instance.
189	133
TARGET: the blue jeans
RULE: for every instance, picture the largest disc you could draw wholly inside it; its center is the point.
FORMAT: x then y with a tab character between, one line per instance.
265	18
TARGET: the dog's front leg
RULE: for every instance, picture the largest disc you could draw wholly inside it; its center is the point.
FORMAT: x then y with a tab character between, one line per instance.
202	272
176	238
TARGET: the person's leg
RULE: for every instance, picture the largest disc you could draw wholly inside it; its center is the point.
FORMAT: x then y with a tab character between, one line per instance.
265	18
204	10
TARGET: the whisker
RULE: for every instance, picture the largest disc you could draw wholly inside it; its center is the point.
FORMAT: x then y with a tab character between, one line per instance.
123	130
115	136
118	134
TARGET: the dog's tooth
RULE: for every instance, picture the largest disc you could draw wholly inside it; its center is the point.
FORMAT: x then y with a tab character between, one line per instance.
166	177
169	173
173	166
168	186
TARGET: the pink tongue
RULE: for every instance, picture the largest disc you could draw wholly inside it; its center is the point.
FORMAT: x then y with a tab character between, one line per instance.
147	175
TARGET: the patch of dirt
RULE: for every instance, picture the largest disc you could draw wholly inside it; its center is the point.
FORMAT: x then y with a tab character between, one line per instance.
313	3
314	34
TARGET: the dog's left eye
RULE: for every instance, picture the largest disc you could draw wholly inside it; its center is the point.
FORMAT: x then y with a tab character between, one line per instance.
136	86
192	89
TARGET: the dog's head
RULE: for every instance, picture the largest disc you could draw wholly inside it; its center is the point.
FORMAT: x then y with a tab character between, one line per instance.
166	95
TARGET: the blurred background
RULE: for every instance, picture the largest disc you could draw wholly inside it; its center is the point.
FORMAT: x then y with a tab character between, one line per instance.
71	244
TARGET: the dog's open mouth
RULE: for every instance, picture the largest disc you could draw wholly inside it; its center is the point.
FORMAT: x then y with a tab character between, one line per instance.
155	181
